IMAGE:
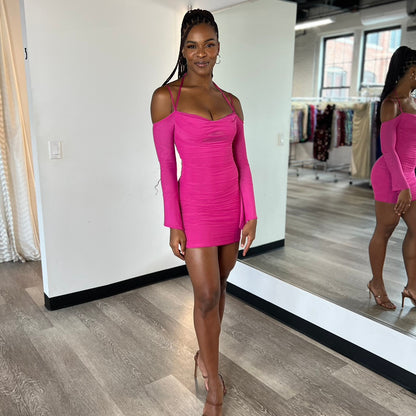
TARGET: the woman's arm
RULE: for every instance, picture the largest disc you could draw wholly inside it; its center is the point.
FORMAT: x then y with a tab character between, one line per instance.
249	216
163	134
388	138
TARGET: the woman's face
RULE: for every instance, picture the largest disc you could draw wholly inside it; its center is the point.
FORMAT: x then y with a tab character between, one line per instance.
201	48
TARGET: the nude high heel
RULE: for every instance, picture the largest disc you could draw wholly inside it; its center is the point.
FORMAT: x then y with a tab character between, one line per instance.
382	301
196	358
406	294
224	392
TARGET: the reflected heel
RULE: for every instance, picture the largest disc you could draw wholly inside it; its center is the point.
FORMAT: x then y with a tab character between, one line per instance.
406	294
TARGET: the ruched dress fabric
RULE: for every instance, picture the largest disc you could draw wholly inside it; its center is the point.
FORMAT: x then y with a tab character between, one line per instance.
214	197
394	171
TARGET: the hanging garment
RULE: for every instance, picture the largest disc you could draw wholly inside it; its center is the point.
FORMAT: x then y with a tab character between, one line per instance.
361	135
348	127
311	122
322	136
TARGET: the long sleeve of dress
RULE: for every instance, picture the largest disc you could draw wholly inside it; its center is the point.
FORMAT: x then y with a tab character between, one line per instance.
248	206
388	136
163	134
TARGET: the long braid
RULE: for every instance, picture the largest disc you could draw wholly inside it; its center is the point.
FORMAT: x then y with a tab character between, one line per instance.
191	19
401	60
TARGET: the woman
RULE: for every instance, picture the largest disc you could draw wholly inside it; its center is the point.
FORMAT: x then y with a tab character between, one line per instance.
214	199
393	175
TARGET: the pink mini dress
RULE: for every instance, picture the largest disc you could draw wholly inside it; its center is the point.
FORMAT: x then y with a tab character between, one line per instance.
214	196
395	169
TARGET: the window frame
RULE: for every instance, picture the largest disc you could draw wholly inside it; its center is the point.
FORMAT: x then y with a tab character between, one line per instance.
324	40
362	57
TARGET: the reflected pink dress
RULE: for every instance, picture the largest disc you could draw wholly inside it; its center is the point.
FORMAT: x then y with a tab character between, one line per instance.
214	197
395	169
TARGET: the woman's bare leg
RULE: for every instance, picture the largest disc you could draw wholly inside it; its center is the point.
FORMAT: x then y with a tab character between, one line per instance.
204	270
409	248
387	221
227	256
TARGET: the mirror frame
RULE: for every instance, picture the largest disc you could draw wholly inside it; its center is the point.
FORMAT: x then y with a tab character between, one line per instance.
372	344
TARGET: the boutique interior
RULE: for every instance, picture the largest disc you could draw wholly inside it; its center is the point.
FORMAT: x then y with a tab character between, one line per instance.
96	312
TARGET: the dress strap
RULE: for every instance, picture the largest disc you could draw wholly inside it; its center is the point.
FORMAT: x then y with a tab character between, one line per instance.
175	103
400	106
230	103
171	96
179	93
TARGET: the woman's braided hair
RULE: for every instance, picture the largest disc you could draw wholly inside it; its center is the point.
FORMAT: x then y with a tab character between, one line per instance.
191	19
402	59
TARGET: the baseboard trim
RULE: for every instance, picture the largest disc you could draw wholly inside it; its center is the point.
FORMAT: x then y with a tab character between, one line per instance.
76	298
71	299
367	359
255	251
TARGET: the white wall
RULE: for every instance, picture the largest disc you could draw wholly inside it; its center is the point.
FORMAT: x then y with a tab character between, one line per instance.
308	47
257	45
93	67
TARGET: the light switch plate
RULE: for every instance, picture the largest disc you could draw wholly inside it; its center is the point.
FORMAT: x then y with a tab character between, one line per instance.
55	149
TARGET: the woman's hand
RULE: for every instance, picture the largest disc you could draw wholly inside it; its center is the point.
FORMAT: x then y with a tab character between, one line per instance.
248	235
403	202
178	243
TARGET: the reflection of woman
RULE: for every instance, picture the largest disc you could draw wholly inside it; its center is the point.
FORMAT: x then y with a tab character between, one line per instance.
393	175
214	199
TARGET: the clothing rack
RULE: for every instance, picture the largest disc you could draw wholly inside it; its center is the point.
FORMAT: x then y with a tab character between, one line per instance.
334	100
318	165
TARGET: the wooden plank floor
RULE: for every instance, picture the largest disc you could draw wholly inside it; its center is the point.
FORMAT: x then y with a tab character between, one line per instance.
132	354
328	228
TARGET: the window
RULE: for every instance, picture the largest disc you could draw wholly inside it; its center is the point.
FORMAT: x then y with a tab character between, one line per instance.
373	39
395	39
378	47
337	62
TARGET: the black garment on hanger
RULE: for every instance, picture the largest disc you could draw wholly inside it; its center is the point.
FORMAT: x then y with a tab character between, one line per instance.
322	136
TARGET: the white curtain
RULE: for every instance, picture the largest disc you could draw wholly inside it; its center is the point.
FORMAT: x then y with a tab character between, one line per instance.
19	238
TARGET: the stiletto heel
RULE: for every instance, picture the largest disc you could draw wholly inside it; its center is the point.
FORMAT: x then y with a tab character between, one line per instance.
406	294
381	300
224	389
196	358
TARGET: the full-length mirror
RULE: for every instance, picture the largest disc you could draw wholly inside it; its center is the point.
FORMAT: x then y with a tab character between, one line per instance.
340	70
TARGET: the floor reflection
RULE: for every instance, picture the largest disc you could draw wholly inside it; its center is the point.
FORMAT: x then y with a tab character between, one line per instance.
329	225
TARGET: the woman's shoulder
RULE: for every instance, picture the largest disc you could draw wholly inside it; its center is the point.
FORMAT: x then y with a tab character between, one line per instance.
161	105
389	110
235	102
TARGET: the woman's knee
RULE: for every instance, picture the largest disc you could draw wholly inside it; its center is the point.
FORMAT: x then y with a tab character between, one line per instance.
385	231
207	300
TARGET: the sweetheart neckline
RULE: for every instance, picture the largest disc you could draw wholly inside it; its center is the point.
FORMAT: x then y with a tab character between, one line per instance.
198	116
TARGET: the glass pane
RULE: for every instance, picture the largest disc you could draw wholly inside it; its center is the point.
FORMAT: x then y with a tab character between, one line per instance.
379	46
335	93
337	64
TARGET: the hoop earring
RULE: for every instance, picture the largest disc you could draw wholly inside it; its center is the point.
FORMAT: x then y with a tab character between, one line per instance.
218	61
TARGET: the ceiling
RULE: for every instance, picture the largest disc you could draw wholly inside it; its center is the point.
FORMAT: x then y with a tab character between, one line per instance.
306	9
314	9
